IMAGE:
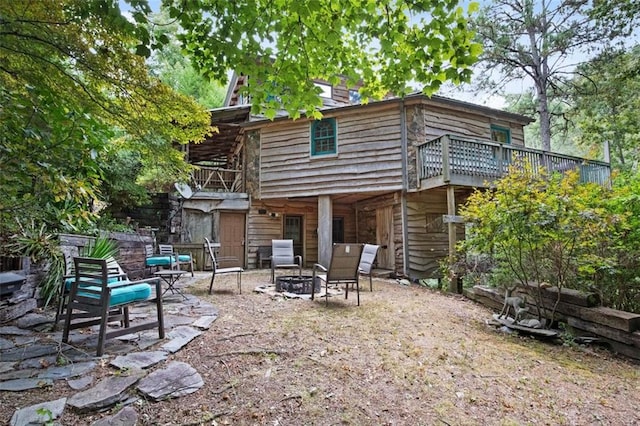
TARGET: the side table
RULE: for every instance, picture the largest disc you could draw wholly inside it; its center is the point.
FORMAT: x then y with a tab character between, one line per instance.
171	276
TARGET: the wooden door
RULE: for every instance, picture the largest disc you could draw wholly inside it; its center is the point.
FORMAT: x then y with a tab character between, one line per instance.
232	232
384	238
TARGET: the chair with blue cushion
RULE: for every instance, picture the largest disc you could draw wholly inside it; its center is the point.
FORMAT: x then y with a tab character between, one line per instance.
100	295
175	260
115	273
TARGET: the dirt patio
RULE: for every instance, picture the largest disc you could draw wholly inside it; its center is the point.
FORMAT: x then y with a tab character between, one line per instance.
406	356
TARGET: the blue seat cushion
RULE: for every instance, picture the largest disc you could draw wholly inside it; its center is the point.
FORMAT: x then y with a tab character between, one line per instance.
122	295
159	261
69	282
184	258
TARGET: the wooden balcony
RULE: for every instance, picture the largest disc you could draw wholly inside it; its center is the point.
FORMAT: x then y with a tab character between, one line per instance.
454	160
216	179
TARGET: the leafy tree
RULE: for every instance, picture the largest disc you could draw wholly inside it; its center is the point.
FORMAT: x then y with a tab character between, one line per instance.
539	42
563	131
173	67
541	228
604	110
282	45
68	78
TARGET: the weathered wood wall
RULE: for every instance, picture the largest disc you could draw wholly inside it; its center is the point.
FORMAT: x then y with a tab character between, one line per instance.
263	227
431	119
369	156
428	238
367	224
156	214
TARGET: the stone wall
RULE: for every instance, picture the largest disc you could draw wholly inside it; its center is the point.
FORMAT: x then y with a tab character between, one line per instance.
131	258
131	253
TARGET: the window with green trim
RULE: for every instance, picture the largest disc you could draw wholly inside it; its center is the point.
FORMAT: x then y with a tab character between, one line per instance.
323	137
500	134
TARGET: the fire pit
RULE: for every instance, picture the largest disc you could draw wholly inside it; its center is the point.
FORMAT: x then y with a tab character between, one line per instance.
296	284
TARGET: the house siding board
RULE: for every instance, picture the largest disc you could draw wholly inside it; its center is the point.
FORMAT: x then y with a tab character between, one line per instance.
439	122
252	163
427	234
369	157
263	228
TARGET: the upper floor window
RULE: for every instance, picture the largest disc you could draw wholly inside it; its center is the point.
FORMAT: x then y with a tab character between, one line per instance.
323	136
326	90
354	97
500	134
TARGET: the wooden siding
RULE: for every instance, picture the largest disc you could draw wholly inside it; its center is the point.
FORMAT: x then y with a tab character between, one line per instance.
429	121
367	224
427	233
263	227
369	157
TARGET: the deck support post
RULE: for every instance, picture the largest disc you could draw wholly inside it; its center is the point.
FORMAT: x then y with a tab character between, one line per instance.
325	231
451	210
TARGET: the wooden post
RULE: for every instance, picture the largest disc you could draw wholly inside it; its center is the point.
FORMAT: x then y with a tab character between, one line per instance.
446	169
325	230
499	162
451	210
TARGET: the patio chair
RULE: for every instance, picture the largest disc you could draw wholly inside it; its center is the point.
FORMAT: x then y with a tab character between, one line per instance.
99	296
343	269
178	259
215	270
157	261
69	253
282	257
369	252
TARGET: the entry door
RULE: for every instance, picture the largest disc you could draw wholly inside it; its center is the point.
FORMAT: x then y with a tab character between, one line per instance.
232	238
384	238
293	231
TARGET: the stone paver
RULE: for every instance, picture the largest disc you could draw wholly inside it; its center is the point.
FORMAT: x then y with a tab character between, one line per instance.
204	322
18	385
180	336
31	357
138	360
125	417
39	414
177	379
107	392
80	383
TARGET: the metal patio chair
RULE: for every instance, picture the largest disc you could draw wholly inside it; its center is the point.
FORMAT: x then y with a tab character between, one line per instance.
282	257
343	269
217	271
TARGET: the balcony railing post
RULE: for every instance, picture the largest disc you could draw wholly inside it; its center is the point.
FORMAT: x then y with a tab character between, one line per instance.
446	169
499	161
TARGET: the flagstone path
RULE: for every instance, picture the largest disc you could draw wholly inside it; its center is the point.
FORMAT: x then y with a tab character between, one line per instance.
31	356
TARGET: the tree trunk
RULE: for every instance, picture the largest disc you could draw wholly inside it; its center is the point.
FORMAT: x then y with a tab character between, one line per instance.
545	119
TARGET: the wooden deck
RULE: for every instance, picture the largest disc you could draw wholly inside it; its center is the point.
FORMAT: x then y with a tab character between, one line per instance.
453	160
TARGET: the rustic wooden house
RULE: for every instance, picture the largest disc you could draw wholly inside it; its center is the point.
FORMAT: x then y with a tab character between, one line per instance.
391	172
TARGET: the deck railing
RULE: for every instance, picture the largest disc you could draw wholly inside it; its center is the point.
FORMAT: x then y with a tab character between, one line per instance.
457	160
217	179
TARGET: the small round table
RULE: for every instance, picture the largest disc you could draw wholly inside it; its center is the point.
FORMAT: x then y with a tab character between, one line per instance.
171	276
